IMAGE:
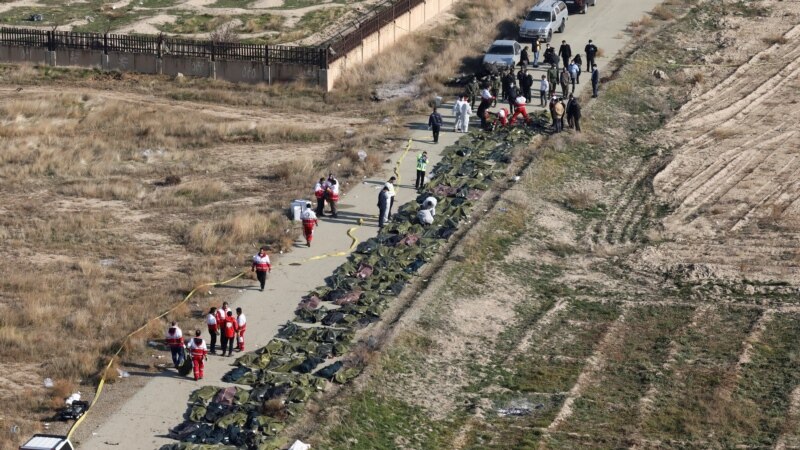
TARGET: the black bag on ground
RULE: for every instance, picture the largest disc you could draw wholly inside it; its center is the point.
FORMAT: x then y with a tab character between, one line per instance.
186	367
309	364
328	372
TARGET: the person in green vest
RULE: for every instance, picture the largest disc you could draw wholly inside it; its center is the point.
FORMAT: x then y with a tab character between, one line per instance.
473	90
422	165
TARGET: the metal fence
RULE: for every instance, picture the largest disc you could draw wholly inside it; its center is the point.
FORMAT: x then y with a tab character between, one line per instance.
319	56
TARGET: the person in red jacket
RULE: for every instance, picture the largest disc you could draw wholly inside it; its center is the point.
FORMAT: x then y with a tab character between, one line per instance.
332	194
199	354
174	338
519	109
241	322
309	222
229	331
213	328
319	193
261	266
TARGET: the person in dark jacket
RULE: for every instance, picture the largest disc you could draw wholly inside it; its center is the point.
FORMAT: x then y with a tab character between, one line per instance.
511	97
579	61
383	206
591	52
524	58
574	113
527	84
550	56
564	79
435	124
595	80
565	52
552	78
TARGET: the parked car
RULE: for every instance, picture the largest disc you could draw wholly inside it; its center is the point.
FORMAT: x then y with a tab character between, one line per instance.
503	53
544	19
47	442
579	6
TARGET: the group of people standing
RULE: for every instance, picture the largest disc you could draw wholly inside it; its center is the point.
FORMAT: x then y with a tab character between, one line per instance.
327	191
221	323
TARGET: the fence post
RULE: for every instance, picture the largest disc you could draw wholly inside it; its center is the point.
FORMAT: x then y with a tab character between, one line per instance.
104	56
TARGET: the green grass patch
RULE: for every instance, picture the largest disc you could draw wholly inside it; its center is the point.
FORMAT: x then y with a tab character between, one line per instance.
195	23
231	4
102	19
376	422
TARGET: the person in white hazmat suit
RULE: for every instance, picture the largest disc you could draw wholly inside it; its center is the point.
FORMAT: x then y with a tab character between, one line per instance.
427	211
464	114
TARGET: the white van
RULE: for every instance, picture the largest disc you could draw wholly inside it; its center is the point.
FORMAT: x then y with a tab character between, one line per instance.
544	19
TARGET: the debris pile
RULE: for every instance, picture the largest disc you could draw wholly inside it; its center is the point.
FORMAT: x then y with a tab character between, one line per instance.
302	359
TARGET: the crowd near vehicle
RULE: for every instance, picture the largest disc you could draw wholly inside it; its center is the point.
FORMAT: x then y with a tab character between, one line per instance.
503	53
47	442
544	19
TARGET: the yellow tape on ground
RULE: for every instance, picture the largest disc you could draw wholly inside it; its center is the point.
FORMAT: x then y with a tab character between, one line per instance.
127	338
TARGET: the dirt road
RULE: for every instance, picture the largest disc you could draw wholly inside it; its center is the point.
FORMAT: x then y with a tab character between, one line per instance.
143	421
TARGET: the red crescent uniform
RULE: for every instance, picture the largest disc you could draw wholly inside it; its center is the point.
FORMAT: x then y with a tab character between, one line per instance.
198	352
309	219
174	337
519	109
241	322
230	327
211	321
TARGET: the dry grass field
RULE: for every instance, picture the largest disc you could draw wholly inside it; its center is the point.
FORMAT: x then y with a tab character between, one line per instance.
643	279
120	195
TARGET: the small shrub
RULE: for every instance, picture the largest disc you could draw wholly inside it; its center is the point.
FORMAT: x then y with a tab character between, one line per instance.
775	39
661	12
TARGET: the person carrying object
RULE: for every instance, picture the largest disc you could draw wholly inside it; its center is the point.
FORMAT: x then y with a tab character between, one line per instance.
174	339
261	266
199	354
309	219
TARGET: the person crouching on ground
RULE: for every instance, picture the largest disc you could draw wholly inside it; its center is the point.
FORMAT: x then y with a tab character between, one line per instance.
519	109
261	266
309	222
199	355
427	211
174	338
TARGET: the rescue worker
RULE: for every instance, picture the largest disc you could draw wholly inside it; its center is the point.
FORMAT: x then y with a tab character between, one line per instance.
424	216
502	116
457	114
430	203
230	330
241	322
174	338
319	193
519	110
435	122
565	52
213	328
422	167
487	98
332	195
261	265
591	52
383	206
309	222
464	115
222	312
390	186
473	90
199	354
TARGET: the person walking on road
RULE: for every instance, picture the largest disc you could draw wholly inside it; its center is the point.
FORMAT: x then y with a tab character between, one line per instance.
435	124
390	185
213	328
199	354
383	206
577	60
309	219
564	79
595	80
422	167
591	52
464	115
332	194
574	72
524	57
544	88
552	79
261	266
230	330
241	322
574	113
565	52
536	46
174	338
319	193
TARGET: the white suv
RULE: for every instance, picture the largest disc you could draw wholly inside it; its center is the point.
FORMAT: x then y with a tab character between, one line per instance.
544	19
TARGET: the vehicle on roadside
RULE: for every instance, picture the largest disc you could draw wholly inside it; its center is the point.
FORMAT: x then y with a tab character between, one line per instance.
543	19
579	6
503	53
47	442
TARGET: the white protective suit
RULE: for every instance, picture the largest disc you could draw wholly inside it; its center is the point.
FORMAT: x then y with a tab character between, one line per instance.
465	112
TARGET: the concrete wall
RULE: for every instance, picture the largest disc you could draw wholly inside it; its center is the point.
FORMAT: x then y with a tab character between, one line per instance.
234	71
386	37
